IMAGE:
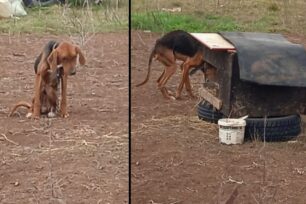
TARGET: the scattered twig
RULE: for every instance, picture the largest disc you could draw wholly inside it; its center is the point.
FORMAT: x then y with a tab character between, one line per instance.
141	40
152	202
231	180
50	165
175	202
19	54
7	139
134	175
255	198
233	196
83	25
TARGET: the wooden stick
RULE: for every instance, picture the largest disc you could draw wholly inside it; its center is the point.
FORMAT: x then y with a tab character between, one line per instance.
7	139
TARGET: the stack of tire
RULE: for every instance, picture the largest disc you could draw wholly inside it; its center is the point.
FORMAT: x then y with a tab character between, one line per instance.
269	129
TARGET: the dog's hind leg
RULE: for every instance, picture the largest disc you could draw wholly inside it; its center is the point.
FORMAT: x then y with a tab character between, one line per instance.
167	58
168	72
161	76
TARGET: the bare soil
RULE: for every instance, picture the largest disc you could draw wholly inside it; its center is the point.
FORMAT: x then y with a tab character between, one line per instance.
80	159
177	158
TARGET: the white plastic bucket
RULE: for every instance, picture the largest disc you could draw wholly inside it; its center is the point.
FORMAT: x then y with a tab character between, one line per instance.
231	131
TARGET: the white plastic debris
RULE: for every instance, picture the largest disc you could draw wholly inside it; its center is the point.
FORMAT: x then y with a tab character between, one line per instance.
10	8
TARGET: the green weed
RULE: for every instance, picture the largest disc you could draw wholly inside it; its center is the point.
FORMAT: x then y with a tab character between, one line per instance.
164	22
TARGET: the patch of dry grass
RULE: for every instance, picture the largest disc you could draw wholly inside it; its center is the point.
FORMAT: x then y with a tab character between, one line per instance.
62	19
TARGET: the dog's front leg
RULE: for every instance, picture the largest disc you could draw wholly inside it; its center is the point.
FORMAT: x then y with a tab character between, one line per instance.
184	79
63	110
37	102
188	86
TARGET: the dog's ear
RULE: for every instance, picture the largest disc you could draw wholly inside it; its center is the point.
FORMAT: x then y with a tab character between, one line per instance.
52	60
81	56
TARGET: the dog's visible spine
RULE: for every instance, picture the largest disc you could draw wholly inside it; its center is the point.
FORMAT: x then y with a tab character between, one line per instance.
51	45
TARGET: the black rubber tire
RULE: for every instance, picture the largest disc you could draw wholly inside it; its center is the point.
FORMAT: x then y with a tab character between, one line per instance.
276	129
208	113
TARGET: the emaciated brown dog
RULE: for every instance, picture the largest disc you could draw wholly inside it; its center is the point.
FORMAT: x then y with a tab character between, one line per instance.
54	56
176	45
64	54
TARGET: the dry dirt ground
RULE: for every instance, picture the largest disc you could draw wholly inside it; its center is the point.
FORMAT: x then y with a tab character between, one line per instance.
81	159
177	158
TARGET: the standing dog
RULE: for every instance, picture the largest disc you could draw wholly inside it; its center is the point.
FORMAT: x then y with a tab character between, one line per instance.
56	54
176	45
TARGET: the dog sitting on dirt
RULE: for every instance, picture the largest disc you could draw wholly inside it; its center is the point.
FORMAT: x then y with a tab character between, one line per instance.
54	64
48	95
176	45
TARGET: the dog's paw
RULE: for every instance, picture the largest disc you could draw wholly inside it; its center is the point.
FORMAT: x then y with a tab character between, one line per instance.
173	98
34	117
29	115
170	93
178	96
64	115
51	115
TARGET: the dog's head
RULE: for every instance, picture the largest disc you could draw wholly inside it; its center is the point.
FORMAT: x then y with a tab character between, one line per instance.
66	55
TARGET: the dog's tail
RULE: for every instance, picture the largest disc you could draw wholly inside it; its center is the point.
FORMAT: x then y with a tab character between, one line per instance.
19	104
149	66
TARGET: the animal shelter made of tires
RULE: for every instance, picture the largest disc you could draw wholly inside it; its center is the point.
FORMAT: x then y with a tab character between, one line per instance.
261	75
